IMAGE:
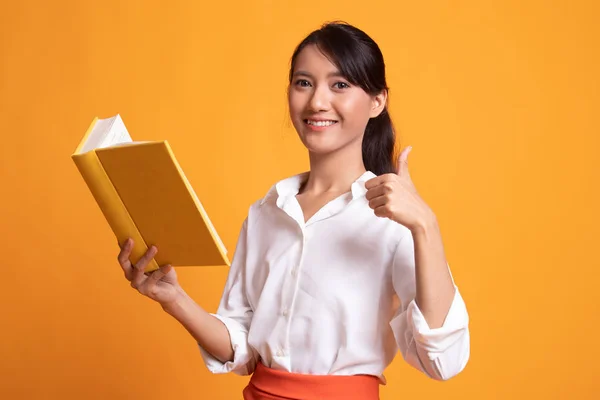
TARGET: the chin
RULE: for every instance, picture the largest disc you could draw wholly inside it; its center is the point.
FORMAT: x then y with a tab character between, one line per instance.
322	146
318	144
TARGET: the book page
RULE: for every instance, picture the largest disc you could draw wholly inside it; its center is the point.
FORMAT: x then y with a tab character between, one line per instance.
97	134
117	133
105	133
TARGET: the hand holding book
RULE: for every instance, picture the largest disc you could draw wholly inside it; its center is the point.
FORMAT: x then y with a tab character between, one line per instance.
158	221
160	285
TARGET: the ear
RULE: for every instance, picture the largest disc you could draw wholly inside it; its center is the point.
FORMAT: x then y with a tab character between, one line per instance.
378	103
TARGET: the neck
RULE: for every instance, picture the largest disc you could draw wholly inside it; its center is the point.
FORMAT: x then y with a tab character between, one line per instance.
334	172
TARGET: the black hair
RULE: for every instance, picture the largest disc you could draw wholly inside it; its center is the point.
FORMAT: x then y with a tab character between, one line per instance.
360	61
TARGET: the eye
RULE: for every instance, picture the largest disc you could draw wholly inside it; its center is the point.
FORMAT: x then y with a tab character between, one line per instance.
341	85
302	83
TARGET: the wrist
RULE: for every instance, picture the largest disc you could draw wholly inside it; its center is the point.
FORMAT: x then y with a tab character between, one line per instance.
177	304
425	225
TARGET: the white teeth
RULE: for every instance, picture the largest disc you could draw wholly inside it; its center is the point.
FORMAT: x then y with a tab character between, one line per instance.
320	123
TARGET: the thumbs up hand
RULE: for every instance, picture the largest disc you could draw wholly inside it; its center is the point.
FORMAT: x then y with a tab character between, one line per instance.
394	196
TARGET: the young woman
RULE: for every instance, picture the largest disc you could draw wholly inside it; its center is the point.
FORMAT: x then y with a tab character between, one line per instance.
335	269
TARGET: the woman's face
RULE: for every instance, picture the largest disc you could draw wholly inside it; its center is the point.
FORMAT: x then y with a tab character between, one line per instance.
327	111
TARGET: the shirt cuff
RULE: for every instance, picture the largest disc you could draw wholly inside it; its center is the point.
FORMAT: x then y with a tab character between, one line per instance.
437	340
243	360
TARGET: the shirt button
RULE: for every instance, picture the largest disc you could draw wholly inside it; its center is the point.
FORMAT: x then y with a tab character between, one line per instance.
294	272
286	312
280	353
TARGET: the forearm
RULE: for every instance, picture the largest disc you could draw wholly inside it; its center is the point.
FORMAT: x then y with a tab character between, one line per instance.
207	330
435	289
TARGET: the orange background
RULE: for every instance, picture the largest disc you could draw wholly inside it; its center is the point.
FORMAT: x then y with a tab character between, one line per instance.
500	102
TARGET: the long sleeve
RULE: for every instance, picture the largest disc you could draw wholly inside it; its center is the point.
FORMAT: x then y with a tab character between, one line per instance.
440	353
236	313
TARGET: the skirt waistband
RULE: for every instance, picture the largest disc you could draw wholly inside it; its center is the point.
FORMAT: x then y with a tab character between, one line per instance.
270	384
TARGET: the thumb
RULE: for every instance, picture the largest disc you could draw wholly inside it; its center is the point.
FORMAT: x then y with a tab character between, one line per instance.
403	161
160	273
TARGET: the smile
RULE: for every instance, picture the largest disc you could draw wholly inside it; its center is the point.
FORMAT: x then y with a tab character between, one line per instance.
320	123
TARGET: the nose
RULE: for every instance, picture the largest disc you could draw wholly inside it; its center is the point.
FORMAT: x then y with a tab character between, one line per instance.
319	101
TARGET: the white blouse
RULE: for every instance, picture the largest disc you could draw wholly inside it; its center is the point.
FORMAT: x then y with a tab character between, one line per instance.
318	297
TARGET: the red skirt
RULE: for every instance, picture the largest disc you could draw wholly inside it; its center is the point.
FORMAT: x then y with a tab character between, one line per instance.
270	384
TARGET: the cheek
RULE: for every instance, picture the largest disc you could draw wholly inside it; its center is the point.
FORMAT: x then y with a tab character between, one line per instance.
354	110
296	104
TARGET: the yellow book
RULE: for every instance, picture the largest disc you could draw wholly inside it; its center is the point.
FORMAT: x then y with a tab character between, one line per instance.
144	194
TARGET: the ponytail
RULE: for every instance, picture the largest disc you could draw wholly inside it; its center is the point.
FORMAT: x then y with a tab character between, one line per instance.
378	145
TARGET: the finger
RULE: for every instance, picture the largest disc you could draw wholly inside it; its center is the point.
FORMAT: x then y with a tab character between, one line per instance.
150	283
123	258
403	161
371	183
159	274
379	202
138	276
143	262
383	189
383	212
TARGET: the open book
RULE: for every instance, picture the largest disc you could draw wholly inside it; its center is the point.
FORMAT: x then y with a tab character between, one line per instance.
144	194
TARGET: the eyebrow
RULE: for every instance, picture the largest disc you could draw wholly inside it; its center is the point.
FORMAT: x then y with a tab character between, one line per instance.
336	74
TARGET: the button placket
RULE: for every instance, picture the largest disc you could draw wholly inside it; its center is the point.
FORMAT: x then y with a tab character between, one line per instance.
287	308
296	268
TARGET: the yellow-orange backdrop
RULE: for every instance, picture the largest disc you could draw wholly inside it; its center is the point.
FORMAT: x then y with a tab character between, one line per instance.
500	101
